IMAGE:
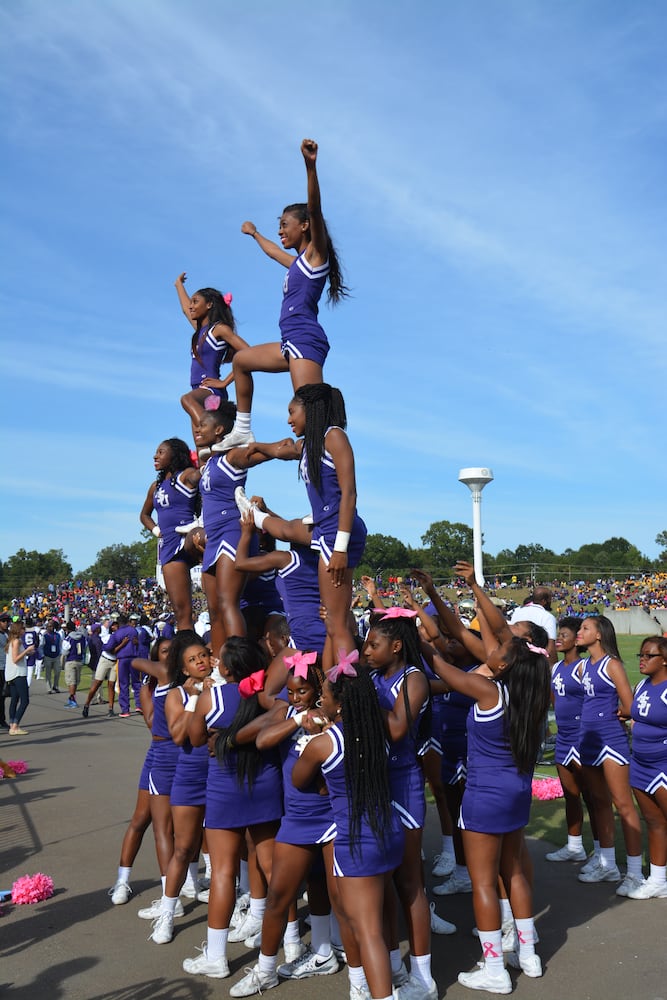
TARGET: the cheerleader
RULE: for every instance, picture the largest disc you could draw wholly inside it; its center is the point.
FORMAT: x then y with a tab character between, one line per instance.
316	414
304	345
605	753
173	497
648	764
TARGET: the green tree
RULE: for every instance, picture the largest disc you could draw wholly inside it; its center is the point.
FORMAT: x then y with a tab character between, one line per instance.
661	539
447	541
27	571
122	562
384	552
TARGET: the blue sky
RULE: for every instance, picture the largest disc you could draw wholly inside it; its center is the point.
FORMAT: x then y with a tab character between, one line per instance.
493	175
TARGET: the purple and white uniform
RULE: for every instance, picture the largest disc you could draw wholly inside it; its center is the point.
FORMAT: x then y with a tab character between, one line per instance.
308	815
453	718
31	638
213	352
497	796
262	592
230	806
406	778
298	586
165	751
370	857
174	505
144	777
602	735
189	785
301	334
325	505
568	690
221	515
648	764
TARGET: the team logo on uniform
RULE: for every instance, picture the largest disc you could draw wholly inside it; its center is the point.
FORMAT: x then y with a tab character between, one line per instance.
559	685
206	480
644	704
589	688
161	498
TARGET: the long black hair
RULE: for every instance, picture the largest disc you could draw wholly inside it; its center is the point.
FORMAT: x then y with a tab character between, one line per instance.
527	678
366	770
182	640
242	657
180	459
219	312
337	289
404	629
607	635
324	407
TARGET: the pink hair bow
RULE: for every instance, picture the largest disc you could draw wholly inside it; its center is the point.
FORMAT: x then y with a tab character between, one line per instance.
252	684
300	663
537	649
399	613
344	665
227	298
212	403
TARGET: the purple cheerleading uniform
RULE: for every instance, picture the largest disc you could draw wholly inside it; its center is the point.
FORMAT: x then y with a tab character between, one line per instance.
299	588
301	334
165	751
144	777
406	778
174	505
648	764
189	785
568	691
325	504
221	515
497	796
454	710
213	352
308	817
370	857
262	592
230	806
602	735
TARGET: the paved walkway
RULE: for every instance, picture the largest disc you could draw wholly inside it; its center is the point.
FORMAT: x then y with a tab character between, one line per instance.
67	817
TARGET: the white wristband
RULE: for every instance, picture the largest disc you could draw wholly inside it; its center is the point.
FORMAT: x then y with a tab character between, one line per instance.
191	703
260	517
299	717
342	541
156	530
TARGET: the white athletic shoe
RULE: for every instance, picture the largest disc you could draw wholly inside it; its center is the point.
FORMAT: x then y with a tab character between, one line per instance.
202	965
240	910
248	927
163	929
591	863
242	502
253	982
443	864
600	873
629	884
567	854
479	979
153	911
649	889
235	439
415	989
400	976
440	926
189	889
455	883
531	964
309	964
184	529
120	892
359	993
292	951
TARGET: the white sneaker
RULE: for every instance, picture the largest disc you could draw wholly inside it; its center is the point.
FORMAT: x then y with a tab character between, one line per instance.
247	927
202	895
443	864
308	965
189	889
440	926
630	884
591	863
600	873
649	889
163	929
202	965
293	950
253	982
253	940
153	911
235	439
479	979
415	989
359	993
240	910
400	976
567	854
184	529
243	503
531	964
455	883
120	892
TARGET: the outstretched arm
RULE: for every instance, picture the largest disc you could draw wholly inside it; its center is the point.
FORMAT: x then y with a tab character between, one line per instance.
288	449
318	250
184	298
494	616
270	248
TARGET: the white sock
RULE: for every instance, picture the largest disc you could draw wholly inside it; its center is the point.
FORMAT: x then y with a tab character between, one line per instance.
207	862
124	874
658	874
607	857
420	967
168	904
242	422
244	884
634	863
525	931
506	911
267	963
357	977
574	843
292	932
193	872
492	951
260	517
163	879
596	848
396	960
320	936
257	907
447	845
216	943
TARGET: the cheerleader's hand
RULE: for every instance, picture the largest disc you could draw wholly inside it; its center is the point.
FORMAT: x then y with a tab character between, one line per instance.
181	278
260	503
464	569
309	151
425	580
249	228
336	568
247	523
368	583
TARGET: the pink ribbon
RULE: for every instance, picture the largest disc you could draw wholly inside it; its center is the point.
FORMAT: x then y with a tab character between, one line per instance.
227	298
488	950
300	663
399	613
537	649
252	684
344	665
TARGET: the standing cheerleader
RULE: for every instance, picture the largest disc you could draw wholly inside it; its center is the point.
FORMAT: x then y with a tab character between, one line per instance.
304	346
173	496
605	753
648	765
214	343
326	464
352	756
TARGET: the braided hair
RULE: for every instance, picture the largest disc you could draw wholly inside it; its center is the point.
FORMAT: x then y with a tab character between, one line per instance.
324	407
527	678
404	630
180	459
242	657
337	289
219	312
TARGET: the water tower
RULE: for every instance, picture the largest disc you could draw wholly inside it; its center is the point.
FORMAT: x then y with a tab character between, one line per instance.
476	480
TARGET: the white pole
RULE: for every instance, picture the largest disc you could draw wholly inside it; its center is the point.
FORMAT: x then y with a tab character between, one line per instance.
477	536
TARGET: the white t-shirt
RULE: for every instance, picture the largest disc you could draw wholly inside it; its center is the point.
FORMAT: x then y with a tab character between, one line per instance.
537	614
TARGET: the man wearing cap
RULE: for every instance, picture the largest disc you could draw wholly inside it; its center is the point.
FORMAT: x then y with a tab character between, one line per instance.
5	620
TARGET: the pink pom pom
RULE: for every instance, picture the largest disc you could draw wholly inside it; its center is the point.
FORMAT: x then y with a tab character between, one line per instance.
547	788
2	774
19	766
32	888
212	403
